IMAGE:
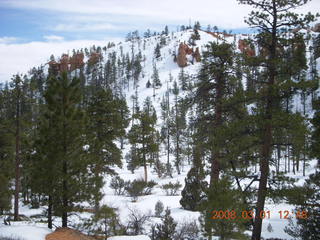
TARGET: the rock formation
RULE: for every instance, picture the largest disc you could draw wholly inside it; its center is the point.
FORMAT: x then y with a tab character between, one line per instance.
316	28
245	48
94	58
185	50
76	61
67	63
67	234
196	55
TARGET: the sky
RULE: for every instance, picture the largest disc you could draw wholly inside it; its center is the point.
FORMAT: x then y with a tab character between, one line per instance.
32	30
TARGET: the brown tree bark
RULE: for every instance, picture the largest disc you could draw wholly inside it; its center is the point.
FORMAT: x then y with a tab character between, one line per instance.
17	157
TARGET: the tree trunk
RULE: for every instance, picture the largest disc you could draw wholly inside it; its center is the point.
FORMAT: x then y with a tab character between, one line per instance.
264	169
17	159
267	132
215	161
50	212
64	181
64	198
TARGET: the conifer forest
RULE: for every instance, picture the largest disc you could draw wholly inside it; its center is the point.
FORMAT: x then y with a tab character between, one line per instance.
187	133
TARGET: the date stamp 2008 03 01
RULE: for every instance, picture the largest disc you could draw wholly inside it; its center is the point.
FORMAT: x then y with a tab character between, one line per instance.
233	215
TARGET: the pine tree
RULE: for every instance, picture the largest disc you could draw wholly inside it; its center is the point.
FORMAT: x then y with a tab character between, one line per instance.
105	125
158	209
194	192
183	79
142	136
271	18
17	98
307	198
165	130
156	83
221	197
137	68
166	230
64	133
315	137
6	151
157	51
177	125
215	89
166	30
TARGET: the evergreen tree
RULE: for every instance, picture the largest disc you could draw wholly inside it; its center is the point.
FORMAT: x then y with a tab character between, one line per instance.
166	230
183	79
157	51
177	125
6	154
315	137
215	90
165	130
272	18
137	68
307	197
194	192
63	130
142	135
222	198
166	30
156	83
105	125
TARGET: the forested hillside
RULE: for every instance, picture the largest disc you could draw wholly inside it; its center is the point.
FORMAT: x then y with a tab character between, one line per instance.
190	134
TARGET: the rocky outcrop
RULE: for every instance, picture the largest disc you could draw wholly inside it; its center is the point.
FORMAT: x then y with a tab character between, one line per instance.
67	234
215	35
245	48
94	58
196	55
67	63
64	63
185	50
76	61
316	28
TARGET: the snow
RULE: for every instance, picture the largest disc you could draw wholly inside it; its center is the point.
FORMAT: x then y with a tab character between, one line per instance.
138	237
24	232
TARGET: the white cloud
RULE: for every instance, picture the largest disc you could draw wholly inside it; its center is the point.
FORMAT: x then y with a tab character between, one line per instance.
83	27
4	40
20	58
226	13
223	13
53	38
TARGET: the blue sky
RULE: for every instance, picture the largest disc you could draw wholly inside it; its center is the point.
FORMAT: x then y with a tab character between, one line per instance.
36	20
31	30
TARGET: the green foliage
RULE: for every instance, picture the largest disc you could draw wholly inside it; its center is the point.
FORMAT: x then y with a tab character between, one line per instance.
157	51
315	139
6	150
61	164
118	185
166	230
143	137
138	188
158	209
316	45
156	83
171	189
105	222
194	192
307	201
183	80
222	197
